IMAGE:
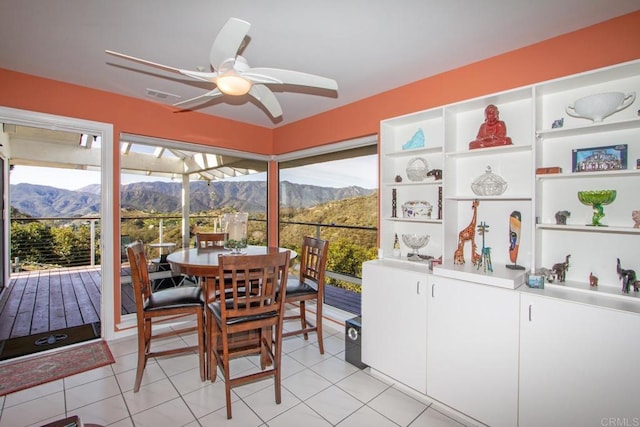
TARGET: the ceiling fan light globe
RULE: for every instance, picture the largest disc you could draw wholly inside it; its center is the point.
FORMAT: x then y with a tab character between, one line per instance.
233	84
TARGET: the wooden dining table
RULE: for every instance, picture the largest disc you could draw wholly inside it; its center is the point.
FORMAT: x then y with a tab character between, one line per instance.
203	264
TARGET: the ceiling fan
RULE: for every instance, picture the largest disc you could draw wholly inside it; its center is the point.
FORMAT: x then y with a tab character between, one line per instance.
232	75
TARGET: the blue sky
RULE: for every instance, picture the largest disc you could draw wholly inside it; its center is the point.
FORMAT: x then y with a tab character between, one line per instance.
361	171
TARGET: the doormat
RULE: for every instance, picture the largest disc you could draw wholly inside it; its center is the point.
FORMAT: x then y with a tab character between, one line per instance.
17	375
16	347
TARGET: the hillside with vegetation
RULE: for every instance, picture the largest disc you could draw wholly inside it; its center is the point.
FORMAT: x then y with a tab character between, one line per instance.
348	224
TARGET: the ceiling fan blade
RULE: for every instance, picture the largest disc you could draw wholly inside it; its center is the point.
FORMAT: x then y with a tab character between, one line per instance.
279	76
215	93
228	41
207	77
267	98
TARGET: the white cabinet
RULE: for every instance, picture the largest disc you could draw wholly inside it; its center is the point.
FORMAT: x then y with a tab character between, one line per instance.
576	354
578	364
472	352
394	322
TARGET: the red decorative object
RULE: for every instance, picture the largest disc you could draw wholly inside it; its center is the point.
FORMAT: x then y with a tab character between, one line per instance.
547	170
493	132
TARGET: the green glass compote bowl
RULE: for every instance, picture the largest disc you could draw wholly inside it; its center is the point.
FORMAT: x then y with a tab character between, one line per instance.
597	199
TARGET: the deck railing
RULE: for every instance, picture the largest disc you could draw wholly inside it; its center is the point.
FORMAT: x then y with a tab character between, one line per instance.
44	243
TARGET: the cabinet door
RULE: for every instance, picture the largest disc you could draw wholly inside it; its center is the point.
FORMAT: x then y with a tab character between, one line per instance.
578	364
472	362
394	323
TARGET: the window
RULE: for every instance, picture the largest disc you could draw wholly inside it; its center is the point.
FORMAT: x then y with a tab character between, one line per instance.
333	196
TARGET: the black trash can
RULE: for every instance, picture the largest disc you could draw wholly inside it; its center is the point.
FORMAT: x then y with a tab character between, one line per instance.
353	342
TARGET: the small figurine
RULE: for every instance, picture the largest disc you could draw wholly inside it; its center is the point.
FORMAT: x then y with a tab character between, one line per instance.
485	257
515	224
593	280
435	173
468	233
545	273
561	217
560	269
396	246
635	215
394	203
398	178
558	123
416	141
492	132
628	278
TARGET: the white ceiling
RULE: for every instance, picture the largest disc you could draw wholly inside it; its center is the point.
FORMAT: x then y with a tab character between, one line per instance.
367	46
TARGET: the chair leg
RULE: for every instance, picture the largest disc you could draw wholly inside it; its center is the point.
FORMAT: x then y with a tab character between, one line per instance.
319	325
227	373
277	364
303	319
212	338
201	346
143	349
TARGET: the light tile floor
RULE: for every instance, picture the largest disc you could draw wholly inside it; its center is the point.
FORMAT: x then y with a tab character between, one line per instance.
317	390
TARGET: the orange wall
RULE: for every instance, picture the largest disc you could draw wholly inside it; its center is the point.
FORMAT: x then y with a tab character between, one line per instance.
607	43
130	115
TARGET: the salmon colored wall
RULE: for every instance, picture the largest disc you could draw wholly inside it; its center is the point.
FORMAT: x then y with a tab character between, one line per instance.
128	114
607	43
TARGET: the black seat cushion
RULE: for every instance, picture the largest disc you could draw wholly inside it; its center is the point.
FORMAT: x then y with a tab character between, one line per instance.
297	288
174	298
216	310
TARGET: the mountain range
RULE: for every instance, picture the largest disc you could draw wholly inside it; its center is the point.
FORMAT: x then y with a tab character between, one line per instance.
42	201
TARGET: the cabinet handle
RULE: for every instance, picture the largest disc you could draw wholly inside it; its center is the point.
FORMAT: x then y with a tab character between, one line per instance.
418	287
433	290
530	312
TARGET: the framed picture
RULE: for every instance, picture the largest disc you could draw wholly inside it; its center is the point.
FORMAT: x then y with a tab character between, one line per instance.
597	159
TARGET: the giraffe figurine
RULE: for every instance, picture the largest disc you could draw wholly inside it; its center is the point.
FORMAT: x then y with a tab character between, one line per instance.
468	233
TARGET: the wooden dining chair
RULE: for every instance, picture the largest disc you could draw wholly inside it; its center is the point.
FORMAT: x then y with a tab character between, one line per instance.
308	286
167	302
251	311
209	240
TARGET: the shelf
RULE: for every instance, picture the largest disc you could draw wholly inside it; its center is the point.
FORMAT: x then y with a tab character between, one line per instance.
501	276
490	151
589	228
415	152
588	129
581	175
407	183
417	220
503	197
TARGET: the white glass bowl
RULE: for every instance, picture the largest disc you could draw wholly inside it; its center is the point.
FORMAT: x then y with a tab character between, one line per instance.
597	107
415	242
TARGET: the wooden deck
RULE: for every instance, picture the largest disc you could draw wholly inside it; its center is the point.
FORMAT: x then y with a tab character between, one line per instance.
41	301
36	302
